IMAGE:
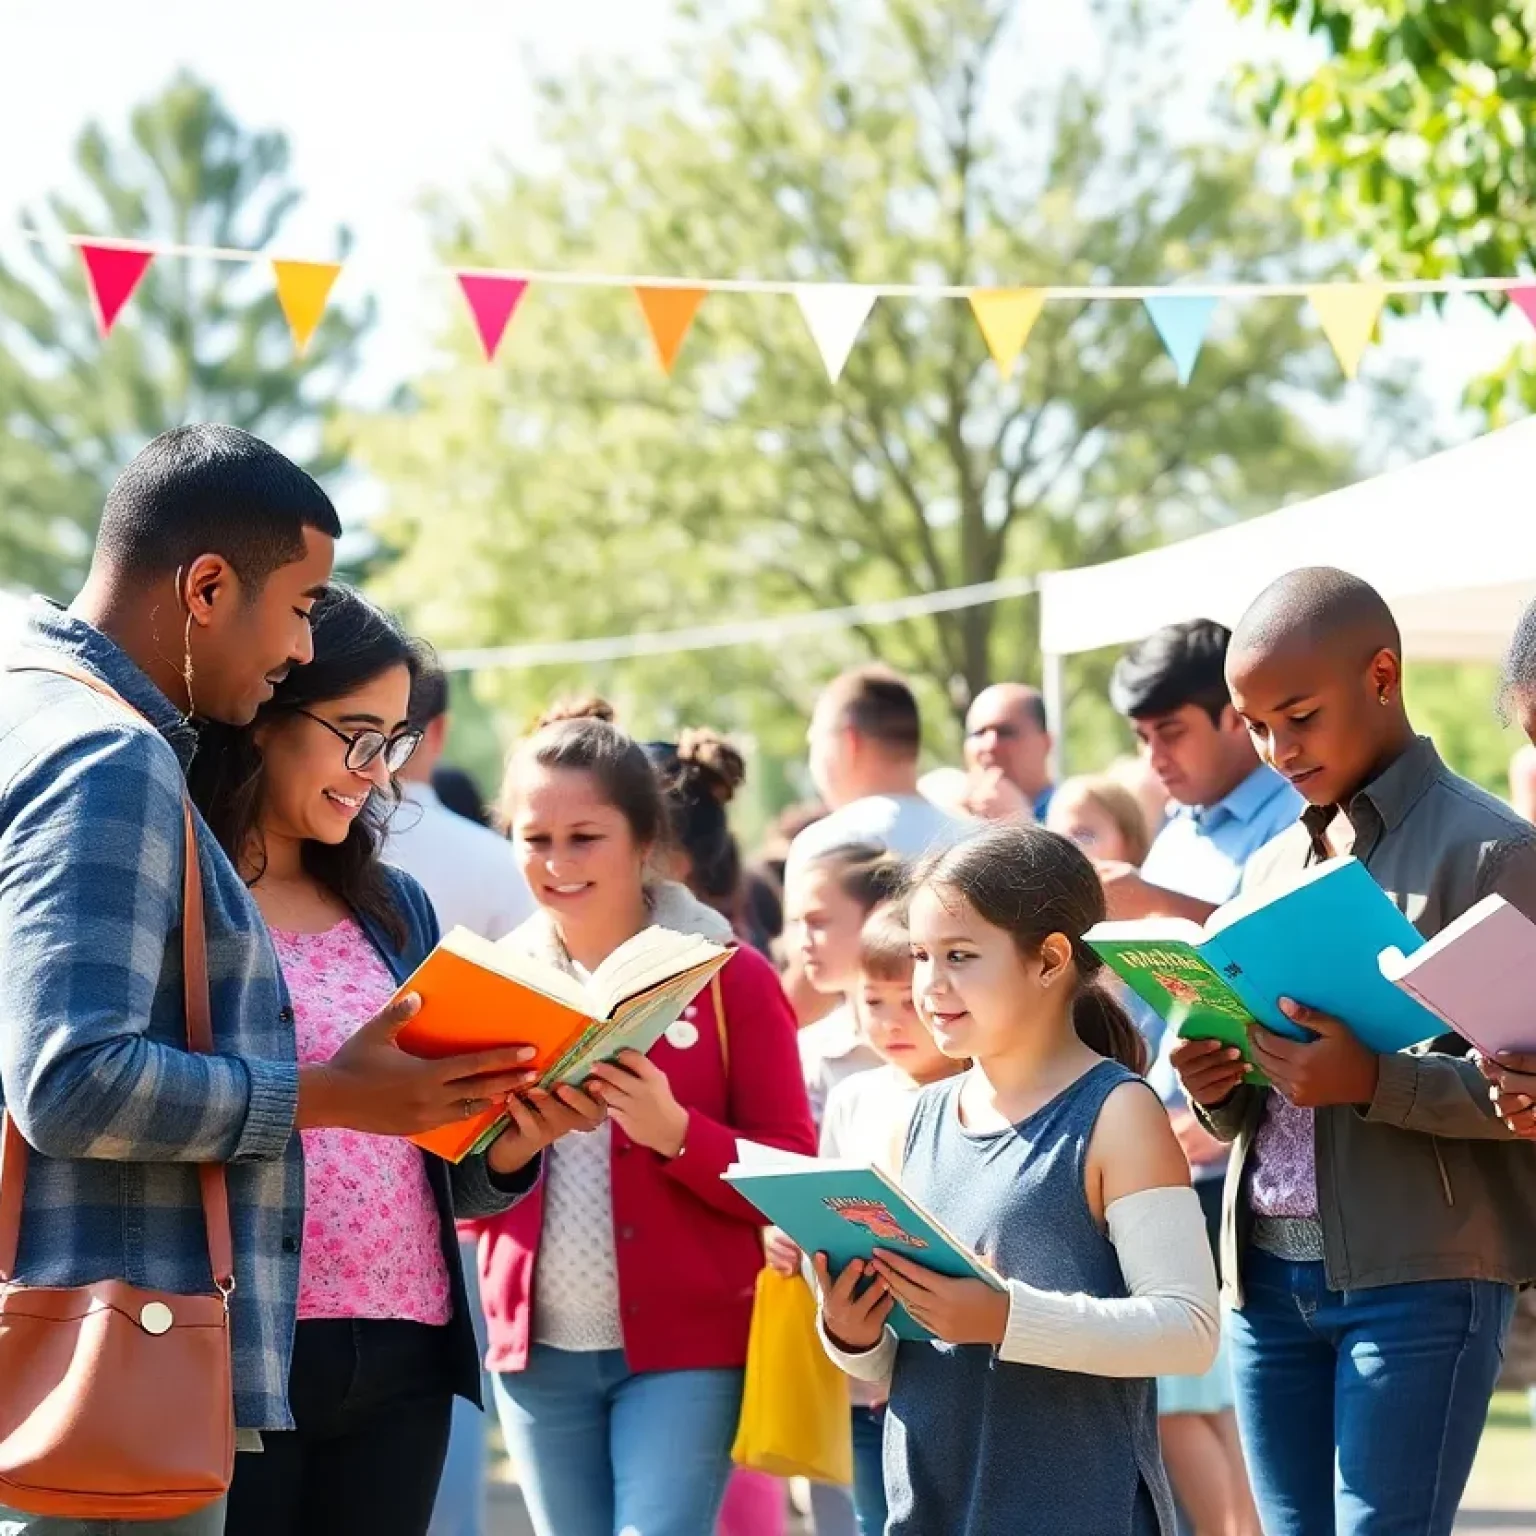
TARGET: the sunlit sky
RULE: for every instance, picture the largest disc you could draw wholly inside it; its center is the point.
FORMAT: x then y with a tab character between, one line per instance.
386	99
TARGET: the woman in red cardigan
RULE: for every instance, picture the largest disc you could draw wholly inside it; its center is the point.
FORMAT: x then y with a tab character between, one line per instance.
618	1296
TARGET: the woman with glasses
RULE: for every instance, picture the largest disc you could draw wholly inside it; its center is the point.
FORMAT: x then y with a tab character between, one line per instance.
299	799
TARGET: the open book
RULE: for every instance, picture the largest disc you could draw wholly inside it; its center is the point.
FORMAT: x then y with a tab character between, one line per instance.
476	996
848	1211
1315	939
1475	974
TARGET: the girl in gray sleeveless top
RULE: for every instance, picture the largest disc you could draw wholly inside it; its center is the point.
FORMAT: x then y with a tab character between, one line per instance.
1032	1412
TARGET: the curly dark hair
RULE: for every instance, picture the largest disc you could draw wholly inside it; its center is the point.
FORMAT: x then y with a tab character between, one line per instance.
699	776
1517	680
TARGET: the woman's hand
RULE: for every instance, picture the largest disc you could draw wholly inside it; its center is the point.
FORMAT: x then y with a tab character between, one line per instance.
538	1119
854	1320
638	1097
783	1252
957	1311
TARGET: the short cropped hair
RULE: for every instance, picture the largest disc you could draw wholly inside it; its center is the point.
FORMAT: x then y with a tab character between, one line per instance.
429	695
1181	664
877	704
210	489
885	944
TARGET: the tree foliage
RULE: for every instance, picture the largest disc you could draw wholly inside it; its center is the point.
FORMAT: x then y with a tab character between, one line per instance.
200	340
572	490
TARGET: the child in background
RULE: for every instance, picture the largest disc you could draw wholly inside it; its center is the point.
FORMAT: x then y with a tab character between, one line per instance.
826	904
1034	1411
867	1119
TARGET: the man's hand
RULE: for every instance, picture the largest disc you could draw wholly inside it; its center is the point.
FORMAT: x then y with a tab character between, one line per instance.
1209	1070
992	796
1198	1145
370	1084
539	1119
1512	1088
854	1320
957	1311
1335	1068
1129	897
636	1093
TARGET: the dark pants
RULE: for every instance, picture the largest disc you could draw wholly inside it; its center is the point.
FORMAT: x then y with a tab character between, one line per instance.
372	1404
869	1470
1361	1410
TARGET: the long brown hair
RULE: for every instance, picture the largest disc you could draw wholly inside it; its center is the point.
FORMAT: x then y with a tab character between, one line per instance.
1031	884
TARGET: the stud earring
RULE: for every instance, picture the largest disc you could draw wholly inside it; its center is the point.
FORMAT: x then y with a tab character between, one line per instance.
1383	698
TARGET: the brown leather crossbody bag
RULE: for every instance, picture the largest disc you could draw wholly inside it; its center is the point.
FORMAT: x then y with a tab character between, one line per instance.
117	1403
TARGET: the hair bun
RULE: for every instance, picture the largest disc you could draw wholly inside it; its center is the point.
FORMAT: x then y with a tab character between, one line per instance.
589	708
716	766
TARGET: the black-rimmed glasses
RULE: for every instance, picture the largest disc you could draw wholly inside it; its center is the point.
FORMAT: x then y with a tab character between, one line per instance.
365	747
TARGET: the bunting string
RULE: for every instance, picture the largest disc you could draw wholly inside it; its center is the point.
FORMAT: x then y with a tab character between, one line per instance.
834	312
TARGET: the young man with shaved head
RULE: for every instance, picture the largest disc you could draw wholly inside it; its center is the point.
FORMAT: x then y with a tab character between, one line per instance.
1379	1213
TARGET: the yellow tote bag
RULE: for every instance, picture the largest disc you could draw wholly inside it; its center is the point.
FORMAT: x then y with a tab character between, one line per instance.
794	1406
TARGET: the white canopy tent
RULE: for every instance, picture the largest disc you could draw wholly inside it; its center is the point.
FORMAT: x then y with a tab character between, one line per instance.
13	617
1449	542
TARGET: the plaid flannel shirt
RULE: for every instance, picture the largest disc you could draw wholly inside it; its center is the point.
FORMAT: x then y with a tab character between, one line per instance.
93	1049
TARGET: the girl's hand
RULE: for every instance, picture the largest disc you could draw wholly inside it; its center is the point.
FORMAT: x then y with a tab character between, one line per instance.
783	1252
539	1118
1209	1071
638	1097
855	1323
957	1311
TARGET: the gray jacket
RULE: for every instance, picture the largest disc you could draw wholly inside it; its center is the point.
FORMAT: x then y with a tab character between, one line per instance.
1424	1182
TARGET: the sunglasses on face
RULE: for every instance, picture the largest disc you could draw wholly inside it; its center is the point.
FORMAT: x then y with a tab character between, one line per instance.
364	748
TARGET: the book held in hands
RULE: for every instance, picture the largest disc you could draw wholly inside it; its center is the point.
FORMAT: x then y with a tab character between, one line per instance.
1316	939
478	996
848	1211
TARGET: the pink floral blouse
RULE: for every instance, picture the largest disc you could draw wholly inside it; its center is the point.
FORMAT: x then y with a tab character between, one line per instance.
372	1244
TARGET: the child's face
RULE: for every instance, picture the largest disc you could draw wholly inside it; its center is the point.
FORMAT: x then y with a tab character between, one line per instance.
972	985
888	1016
1316	718
828	923
1077	816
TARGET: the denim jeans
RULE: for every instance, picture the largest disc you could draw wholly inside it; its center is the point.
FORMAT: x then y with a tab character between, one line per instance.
869	1470
600	1448
460	1507
206	1522
1361	1411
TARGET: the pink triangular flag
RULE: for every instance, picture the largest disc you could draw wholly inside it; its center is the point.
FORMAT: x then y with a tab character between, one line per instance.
1525	300
492	301
113	272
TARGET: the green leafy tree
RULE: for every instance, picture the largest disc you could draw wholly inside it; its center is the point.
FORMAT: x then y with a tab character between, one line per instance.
200	340
574	490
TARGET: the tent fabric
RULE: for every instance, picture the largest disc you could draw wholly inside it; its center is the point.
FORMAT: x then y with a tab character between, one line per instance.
1450	542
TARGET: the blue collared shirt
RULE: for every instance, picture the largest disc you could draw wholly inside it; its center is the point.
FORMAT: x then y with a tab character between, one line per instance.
93	1049
1201	850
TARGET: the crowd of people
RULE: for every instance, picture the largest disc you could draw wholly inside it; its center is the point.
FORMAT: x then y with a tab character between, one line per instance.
1228	1310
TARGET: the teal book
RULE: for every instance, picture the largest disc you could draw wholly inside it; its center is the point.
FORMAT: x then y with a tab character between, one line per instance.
1317	940
849	1211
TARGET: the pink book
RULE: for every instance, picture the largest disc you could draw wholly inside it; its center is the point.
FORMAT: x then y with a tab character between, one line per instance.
1478	974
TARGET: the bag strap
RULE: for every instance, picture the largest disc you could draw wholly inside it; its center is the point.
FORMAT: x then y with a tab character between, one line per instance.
717	997
194	959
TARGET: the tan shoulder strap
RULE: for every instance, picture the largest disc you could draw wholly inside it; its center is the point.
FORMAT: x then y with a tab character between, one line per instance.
194	957
717	997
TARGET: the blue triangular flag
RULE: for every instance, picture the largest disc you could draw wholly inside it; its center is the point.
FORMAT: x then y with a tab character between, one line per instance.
1182	321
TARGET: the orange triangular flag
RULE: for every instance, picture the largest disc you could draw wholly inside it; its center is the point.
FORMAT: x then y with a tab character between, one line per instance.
1348	313
302	289
1006	317
669	312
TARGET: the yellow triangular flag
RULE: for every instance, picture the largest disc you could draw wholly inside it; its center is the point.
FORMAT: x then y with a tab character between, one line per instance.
302	289
1348	313
669	312
1006	317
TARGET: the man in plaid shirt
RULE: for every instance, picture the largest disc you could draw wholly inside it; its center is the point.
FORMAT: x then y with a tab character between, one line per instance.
213	549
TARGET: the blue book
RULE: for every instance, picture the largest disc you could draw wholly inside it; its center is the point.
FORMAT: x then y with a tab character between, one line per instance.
1317	940
849	1211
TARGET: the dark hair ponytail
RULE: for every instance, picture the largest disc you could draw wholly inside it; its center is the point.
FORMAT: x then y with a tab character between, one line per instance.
1032	883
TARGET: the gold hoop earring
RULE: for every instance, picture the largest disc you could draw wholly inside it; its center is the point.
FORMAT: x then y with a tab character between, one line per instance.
186	667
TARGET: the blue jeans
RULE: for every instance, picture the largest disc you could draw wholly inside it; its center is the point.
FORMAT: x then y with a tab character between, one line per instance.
869	1470
1361	1411
460	1507
602	1449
